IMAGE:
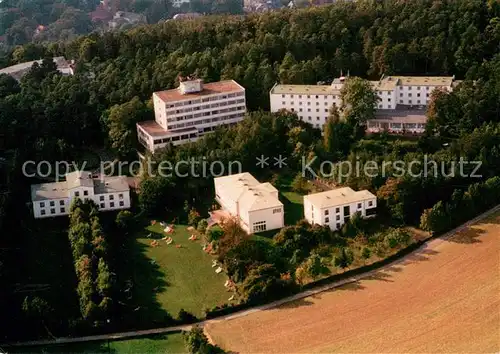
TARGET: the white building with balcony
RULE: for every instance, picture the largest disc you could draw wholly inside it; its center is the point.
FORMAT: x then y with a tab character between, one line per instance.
54	199
255	204
335	207
396	93
190	111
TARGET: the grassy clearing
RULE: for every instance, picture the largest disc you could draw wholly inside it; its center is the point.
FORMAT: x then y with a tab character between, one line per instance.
294	206
161	343
183	277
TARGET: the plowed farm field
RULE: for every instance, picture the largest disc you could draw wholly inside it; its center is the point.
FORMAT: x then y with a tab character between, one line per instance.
443	298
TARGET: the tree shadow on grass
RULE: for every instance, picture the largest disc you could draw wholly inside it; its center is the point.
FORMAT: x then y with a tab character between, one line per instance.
87	347
142	280
294	211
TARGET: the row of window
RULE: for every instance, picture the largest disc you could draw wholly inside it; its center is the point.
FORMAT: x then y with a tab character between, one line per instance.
259	226
51	203
206	121
208	106
374	124
309	96
309	110
308	103
53	211
277	210
111	204
206	99
203	114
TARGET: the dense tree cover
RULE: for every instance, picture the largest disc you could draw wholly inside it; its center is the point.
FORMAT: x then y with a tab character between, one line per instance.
89	246
444	216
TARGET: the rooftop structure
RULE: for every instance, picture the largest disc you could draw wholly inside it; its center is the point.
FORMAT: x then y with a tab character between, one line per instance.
190	111
255	204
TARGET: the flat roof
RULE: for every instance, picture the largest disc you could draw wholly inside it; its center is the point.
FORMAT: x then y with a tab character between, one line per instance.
44	191
211	88
153	129
111	185
400	116
305	90
340	196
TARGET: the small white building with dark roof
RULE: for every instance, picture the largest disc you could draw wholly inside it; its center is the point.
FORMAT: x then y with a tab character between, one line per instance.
54	199
255	204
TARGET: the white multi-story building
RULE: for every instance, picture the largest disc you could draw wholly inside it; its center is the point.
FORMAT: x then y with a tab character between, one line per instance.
54	199
396	93
312	103
334	208
255	204
190	111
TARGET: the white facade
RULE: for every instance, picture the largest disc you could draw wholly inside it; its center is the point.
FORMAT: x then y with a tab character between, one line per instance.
178	3
255	204
334	208
194	109
54	199
312	102
19	70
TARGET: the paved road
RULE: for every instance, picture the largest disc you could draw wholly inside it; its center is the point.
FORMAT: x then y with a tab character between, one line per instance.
253	310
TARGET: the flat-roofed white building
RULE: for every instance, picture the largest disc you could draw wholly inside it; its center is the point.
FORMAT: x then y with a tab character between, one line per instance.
54	199
312	103
255	204
190	111
409	90
334	208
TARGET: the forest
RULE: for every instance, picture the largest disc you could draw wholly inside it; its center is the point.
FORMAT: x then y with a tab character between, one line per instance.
51	117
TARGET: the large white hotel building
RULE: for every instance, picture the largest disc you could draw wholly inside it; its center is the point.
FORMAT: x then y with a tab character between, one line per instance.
402	100
190	111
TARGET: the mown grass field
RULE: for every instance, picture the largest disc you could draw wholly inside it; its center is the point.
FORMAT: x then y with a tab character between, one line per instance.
182	278
161	343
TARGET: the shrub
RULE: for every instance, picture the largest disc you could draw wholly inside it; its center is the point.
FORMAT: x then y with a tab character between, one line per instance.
344	259
366	253
202	226
197	342
214	233
193	217
124	219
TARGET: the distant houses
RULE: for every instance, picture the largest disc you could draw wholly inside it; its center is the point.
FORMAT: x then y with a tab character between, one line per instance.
54	199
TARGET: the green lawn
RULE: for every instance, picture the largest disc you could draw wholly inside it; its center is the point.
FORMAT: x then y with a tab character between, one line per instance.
160	343
182	278
294	206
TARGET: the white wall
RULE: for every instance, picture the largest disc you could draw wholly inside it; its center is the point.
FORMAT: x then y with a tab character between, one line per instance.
59	207
111	201
273	220
336	213
310	108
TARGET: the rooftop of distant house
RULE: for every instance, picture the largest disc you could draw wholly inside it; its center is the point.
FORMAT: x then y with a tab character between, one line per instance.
60	190
18	70
340	196
248	192
390	82
400	115
304	90
212	88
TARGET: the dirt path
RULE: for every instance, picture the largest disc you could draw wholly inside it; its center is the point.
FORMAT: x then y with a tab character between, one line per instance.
443	298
